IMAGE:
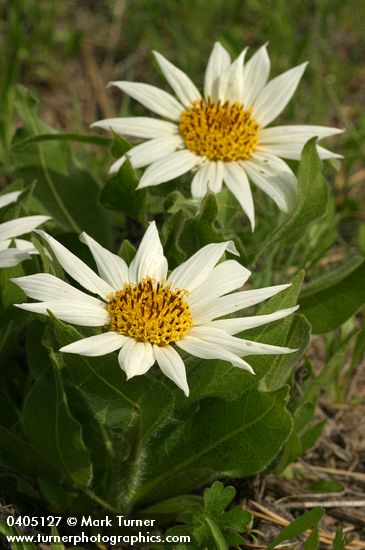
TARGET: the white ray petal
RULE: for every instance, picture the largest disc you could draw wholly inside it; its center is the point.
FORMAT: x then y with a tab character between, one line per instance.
149	260
48	288
136	358
239	324
224	278
199	185
273	99
9	198
148	152
78	313
216	177
255	75
230	83
205	350
111	267
158	101
235	302
198	267
12	256
295	133
218	62
172	366
94	346
20	226
77	269
325	154
237	182
273	176
169	167
183	87
142	127
237	346
288	141
5	244
293	151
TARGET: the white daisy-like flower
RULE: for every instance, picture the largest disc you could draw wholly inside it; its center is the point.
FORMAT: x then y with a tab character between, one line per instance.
148	314
10	257
223	135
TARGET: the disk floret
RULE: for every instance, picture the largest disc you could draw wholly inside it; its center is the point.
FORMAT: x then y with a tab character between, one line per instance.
150	311
219	130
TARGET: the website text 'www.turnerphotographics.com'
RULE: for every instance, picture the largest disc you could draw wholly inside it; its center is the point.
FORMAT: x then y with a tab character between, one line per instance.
114	529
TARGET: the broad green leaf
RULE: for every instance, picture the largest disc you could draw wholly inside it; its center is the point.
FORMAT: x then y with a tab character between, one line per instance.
329	301
133	409
114	401
298	526
52	429
172	506
245	436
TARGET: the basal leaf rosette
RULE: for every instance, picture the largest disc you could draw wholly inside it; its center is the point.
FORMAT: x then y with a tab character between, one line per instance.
149	315
222	136
9	230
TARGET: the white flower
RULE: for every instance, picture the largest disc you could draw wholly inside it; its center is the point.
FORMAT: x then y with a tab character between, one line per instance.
147	314
9	230
221	136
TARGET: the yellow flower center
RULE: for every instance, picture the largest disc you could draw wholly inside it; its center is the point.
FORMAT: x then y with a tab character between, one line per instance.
219	131
150	312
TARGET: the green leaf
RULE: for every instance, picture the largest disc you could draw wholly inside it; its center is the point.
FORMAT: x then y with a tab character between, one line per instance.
120	194
329	301
127	251
310	436
246	435
200	230
298	526
52	429
311	201
282	368
217	497
172	506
